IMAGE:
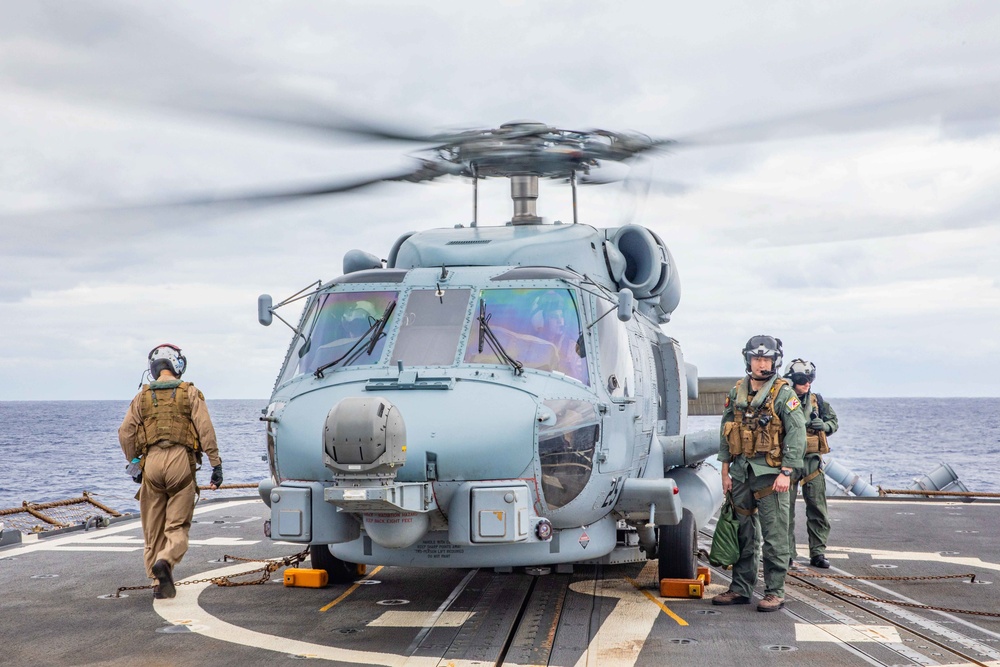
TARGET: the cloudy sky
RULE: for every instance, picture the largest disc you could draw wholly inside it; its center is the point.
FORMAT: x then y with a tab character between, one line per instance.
850	208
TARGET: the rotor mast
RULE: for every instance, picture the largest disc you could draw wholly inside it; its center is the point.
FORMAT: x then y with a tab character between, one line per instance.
524	194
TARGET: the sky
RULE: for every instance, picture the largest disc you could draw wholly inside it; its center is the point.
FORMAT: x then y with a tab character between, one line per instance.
851	208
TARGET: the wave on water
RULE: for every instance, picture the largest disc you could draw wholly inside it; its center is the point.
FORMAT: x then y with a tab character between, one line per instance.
56	449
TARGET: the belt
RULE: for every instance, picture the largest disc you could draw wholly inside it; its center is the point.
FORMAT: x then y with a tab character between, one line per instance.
810	477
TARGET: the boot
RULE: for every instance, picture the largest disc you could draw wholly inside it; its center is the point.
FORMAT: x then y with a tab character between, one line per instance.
771	602
730	597
819	560
161	570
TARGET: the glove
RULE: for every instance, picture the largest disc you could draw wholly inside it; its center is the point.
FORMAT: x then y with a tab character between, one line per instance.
134	470
817	425
216	480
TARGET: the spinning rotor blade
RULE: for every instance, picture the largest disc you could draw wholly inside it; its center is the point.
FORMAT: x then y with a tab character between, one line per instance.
952	106
425	171
306	114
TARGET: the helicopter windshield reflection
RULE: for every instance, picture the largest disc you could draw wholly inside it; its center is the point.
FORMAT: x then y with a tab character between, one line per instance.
540	328
340	319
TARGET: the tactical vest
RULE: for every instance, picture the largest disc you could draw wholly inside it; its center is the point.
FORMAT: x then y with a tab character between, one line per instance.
816	442
756	431
166	415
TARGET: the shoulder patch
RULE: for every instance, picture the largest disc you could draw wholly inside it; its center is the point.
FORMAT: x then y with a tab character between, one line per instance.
728	401
792	403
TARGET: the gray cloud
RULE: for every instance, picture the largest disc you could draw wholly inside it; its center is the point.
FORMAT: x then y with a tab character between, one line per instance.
104	103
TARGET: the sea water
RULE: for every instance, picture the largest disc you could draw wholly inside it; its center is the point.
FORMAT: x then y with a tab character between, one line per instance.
50	450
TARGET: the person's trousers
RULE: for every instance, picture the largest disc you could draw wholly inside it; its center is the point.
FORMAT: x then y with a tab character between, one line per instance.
166	504
772	511
817	517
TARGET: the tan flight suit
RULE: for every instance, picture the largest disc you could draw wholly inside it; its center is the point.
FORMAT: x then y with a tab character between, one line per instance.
167	493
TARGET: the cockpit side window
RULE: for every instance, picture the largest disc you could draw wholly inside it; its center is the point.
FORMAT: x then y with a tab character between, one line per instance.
334	322
431	327
540	328
566	450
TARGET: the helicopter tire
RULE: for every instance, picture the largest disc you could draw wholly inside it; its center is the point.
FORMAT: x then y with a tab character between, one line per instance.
677	549
338	571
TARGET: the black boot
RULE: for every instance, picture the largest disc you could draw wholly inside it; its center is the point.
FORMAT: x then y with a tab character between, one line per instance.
161	570
819	560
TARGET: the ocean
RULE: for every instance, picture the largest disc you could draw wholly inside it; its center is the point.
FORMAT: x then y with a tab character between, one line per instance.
52	450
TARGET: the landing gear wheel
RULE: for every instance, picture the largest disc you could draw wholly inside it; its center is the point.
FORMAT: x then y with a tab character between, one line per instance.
677	549
338	571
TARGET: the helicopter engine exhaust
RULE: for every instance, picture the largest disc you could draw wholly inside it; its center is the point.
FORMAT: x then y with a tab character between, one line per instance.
364	445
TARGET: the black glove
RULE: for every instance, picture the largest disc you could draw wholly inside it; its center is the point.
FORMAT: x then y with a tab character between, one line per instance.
217	476
818	424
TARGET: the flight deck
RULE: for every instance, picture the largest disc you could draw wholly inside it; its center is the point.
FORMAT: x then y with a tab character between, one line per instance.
59	604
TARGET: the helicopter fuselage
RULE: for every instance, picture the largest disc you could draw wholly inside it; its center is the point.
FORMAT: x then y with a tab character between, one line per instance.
455	411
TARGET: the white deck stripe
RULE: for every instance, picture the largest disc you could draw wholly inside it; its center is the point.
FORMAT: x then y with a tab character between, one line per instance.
626	629
185	610
837	633
86	537
421	619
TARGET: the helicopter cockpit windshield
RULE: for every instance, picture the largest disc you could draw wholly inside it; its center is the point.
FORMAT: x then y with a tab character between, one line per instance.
335	323
539	328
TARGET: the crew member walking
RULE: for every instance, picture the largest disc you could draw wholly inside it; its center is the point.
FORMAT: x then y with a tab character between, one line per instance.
821	421
167	428
763	438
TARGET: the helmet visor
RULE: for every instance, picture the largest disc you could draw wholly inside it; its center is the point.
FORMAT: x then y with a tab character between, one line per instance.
801	378
762	346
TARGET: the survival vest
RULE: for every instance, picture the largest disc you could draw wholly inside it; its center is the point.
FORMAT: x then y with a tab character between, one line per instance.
165	408
166	415
816	442
756	431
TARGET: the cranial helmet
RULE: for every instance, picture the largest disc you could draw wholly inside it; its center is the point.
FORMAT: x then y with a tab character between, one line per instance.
763	346
801	371
167	357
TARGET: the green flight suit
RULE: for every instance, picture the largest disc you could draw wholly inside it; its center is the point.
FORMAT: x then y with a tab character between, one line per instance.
753	474
813	491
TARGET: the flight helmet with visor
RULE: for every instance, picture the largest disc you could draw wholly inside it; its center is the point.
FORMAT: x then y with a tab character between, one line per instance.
763	346
166	357
801	372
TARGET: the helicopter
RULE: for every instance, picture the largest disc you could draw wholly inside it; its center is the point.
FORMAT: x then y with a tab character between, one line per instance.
493	395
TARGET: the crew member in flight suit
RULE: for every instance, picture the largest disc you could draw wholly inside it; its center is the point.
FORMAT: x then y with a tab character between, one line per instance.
763	438
821	421
167	427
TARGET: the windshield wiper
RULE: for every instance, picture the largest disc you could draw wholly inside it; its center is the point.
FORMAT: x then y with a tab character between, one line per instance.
376	328
486	335
380	326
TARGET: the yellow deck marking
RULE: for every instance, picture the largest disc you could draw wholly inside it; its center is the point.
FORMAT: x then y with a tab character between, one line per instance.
665	608
623	633
351	589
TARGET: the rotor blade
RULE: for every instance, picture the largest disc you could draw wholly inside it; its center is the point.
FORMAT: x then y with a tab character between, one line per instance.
296	112
335	123
425	171
666	187
946	107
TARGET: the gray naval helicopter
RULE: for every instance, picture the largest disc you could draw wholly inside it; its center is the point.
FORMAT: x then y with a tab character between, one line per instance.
493	396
